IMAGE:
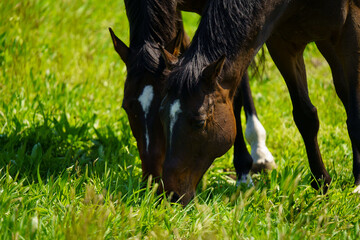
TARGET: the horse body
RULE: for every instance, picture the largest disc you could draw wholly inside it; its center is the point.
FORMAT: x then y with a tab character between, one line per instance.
154	23
205	84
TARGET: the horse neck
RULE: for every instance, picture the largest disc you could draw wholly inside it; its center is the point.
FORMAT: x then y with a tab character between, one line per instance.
236	28
154	21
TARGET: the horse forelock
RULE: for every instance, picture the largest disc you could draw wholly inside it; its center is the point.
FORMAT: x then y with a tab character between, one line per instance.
184	78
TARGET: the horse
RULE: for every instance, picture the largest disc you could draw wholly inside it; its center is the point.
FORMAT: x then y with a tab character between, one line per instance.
197	111
154	24
151	23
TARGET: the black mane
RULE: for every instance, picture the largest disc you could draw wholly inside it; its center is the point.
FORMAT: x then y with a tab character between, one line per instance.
223	29
152	22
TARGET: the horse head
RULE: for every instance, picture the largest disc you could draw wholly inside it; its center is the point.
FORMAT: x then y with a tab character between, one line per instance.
142	97
199	126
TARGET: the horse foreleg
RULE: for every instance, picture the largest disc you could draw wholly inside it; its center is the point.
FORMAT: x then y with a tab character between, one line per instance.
242	158
255	133
288	57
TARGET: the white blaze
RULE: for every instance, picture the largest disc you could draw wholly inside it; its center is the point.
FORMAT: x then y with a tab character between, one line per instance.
145	100
175	109
255	135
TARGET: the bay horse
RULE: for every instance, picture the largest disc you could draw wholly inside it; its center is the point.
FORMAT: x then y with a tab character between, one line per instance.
197	111
155	23
152	22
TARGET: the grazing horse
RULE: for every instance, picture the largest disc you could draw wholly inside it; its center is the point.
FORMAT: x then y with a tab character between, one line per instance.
197	111
154	23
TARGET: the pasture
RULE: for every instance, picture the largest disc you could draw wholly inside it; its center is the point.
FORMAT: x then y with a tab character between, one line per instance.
69	166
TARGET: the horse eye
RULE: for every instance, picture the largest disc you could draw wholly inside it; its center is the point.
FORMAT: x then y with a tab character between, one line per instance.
198	123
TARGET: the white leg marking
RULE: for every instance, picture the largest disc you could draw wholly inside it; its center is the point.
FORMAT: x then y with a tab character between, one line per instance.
357	190
175	109
245	179
255	135
145	100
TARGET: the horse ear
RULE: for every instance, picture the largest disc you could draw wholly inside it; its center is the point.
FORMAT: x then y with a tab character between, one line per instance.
175	45
120	47
212	71
170	59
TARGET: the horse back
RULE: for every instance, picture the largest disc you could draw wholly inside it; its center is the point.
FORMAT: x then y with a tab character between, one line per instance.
315	20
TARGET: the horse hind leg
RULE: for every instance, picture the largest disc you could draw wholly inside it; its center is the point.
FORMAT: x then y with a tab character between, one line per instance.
255	133
349	52
289	60
344	59
342	87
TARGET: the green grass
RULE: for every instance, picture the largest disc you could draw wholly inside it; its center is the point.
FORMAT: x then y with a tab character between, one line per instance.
69	167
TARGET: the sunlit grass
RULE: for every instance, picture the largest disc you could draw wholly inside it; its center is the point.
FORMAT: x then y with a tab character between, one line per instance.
69	167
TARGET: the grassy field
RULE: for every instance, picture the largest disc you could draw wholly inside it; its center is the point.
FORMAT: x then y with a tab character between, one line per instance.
69	167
